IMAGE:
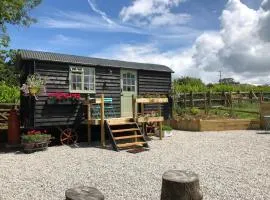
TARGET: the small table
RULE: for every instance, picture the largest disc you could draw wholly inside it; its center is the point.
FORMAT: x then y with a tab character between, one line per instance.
267	122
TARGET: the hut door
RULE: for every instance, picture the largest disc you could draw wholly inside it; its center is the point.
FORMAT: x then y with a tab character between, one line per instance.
128	88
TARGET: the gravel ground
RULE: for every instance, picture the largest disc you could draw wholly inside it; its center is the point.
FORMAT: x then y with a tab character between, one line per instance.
231	165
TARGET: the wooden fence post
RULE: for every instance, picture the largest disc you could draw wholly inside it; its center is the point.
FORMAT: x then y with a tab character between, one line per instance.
191	99
185	100
209	99
205	103
102	129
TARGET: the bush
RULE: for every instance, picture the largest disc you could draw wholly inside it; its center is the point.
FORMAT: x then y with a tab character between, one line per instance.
167	128
194	111
9	94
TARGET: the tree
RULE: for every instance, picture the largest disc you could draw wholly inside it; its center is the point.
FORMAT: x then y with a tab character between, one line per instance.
229	81
14	12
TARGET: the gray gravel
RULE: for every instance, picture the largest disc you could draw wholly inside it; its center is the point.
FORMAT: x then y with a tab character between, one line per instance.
231	165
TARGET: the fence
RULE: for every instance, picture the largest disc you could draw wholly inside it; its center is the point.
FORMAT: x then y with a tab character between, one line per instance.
4	113
215	99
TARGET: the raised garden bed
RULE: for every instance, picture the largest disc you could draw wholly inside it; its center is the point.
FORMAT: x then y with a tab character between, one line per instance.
150	119
214	125
151	100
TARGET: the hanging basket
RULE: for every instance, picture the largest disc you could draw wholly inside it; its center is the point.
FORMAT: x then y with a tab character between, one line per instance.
34	90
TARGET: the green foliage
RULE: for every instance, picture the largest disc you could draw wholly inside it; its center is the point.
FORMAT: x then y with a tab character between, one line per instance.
194	111
187	84
15	12
167	128
9	94
36	138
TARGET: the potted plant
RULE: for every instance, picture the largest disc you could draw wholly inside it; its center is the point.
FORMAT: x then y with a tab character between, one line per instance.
167	130
63	98
35	140
33	85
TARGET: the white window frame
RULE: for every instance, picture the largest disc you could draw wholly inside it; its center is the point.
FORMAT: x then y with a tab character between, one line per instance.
81	70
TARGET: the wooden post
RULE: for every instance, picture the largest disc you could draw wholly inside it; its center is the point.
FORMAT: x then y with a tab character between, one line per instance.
238	94
223	96
205	103
191	99
231	102
185	100
134	113
209	99
84	193
102	129
160	123
180	185
89	122
250	97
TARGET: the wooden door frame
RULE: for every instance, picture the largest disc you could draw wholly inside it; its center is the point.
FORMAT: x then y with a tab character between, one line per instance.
121	86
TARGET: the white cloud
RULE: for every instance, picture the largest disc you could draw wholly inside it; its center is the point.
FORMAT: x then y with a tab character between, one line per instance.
154	13
61	39
101	13
83	21
241	48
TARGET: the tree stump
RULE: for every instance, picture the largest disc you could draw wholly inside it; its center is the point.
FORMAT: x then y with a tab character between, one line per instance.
180	185
84	193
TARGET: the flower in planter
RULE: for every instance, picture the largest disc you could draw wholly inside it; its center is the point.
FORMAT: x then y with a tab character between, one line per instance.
63	97
36	136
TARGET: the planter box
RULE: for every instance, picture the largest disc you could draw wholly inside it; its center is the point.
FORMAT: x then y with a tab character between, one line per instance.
35	146
150	119
68	102
151	100
215	125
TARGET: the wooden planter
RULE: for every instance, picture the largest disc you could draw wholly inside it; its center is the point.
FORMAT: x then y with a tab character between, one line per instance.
150	119
64	102
151	100
215	125
35	146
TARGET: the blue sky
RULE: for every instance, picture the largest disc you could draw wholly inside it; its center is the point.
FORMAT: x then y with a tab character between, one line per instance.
138	30
93	40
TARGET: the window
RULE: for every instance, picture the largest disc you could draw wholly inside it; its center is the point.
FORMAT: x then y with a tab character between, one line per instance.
129	83
82	79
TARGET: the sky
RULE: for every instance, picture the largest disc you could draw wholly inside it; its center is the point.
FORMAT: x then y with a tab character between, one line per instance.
195	38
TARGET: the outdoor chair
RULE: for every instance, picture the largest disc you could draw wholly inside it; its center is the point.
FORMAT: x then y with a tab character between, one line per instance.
108	109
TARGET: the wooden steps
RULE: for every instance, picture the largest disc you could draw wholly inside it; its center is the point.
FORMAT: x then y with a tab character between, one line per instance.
125	133
128	137
131	144
125	130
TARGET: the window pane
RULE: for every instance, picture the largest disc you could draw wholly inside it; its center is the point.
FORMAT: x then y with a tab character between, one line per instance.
133	88
129	82
86	79
92	87
133	82
86	87
124	76
73	78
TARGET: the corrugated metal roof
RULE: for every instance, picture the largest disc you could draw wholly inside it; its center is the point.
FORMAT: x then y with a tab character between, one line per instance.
72	59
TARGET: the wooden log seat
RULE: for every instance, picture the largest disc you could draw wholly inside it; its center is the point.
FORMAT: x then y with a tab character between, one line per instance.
180	185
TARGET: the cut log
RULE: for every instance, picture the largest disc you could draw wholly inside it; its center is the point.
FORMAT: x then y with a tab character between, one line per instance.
84	193
180	185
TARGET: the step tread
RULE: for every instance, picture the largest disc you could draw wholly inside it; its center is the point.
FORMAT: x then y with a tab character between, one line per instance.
123	123
128	137
125	130
130	144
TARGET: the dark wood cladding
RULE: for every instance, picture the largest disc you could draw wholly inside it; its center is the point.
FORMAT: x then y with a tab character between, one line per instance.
58	81
37	113
150	82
